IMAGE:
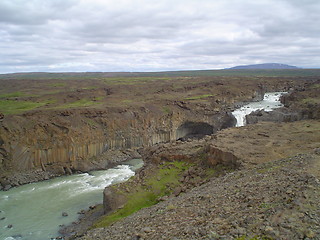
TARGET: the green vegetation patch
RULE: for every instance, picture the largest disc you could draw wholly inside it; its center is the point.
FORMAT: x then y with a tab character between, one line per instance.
12	95
159	184
166	110
268	205
140	199
314	86
169	174
82	103
311	101
91	122
127	101
269	169
90	88
15	107
199	97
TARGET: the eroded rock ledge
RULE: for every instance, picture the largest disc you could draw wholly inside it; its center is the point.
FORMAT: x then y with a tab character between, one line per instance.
275	200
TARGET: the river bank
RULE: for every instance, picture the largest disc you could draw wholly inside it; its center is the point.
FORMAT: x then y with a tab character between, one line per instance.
104	161
276	200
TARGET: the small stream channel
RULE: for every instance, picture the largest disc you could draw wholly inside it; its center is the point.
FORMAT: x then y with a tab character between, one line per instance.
35	211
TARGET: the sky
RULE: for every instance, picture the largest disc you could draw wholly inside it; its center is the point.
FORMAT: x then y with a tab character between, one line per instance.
162	35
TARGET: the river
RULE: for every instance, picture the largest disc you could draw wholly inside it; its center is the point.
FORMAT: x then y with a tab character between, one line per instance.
34	211
270	101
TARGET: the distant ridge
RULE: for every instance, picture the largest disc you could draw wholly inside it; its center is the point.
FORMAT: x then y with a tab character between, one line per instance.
265	66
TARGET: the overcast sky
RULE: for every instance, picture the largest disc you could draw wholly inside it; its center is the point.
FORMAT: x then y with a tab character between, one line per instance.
147	35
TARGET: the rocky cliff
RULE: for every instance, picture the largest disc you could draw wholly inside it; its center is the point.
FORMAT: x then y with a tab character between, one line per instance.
69	141
39	144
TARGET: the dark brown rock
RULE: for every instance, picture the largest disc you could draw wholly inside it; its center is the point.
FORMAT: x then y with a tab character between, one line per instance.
112	200
177	191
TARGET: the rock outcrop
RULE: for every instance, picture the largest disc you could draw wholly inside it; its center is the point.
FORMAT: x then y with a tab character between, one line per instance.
278	115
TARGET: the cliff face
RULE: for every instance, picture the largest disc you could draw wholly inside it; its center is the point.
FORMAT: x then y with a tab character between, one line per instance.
55	142
64	142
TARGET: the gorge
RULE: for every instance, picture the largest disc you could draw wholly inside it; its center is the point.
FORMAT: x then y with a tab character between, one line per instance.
76	192
52	141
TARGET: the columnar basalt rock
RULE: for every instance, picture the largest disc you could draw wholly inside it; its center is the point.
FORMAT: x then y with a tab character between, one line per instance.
55	142
58	142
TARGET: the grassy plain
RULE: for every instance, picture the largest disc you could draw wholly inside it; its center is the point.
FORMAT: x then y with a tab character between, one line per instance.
24	92
15	107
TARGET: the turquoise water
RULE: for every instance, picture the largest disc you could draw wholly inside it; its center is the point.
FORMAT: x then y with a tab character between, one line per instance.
35	210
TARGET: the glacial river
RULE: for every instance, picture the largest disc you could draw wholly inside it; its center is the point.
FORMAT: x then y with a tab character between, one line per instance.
34	211
270	101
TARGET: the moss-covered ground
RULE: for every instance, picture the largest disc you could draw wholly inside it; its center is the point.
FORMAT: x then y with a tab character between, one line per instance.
15	107
159	184
200	97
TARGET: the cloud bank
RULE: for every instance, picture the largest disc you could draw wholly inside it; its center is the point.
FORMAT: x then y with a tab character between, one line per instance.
142	35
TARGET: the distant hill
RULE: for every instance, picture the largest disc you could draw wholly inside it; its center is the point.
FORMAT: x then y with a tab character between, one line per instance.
265	66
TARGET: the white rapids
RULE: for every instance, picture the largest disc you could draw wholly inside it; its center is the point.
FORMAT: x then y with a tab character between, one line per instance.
270	101
34	211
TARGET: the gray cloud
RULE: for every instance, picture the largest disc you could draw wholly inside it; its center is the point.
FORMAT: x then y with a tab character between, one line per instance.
142	35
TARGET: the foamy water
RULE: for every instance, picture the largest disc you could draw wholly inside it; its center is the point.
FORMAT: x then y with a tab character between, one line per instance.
270	101
35	210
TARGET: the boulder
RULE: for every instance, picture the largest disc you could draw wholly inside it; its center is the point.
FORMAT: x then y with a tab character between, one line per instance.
112	200
7	187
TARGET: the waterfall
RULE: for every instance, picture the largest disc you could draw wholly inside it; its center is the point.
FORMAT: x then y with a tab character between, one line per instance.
270	101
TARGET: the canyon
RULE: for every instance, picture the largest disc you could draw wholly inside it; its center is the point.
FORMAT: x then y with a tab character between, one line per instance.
260	181
60	138
182	127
